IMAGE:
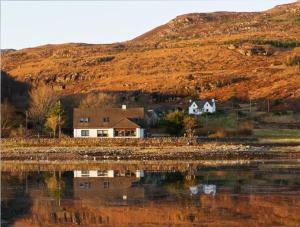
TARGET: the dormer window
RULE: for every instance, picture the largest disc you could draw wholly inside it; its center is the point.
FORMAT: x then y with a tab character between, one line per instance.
105	119
84	119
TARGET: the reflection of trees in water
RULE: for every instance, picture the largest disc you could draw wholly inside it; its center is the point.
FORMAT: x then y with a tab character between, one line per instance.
222	210
219	210
55	184
15	202
18	198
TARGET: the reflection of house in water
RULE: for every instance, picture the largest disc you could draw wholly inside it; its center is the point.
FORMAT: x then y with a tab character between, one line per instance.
207	189
109	186
108	173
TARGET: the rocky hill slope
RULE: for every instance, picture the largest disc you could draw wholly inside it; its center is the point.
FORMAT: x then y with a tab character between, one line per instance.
220	55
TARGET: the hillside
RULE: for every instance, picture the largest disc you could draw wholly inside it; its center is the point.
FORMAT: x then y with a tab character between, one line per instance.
220	55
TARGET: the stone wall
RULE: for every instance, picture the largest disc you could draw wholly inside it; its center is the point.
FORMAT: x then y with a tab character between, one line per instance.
103	142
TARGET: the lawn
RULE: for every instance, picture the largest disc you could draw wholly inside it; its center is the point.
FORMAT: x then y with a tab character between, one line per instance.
277	133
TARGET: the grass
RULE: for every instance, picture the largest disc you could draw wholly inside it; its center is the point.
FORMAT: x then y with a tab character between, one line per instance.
227	121
278	133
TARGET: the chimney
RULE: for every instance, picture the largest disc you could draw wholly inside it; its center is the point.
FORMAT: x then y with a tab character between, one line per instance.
190	101
213	100
123	107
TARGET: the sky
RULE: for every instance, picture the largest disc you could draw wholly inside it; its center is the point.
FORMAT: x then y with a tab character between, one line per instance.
33	23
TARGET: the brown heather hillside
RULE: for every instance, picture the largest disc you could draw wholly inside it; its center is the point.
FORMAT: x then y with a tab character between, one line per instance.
220	55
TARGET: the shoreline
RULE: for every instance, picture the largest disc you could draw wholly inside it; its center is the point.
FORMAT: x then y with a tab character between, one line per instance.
207	151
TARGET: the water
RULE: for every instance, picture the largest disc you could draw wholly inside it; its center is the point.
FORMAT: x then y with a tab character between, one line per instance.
256	194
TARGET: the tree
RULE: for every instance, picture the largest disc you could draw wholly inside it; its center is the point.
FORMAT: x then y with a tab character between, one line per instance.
98	100
42	99
56	118
7	117
190	124
173	122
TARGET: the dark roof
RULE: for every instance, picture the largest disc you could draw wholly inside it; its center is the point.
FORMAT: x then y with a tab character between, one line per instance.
202	103
118	118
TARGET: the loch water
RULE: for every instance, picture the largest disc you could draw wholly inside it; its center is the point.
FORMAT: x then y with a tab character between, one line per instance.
254	194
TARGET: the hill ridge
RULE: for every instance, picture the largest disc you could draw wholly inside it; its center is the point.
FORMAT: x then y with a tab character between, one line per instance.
219	55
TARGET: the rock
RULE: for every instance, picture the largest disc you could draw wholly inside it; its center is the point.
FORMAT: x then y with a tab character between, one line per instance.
232	47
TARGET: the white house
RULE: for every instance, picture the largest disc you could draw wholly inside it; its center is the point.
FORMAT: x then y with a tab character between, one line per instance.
107	173
207	189
200	107
108	123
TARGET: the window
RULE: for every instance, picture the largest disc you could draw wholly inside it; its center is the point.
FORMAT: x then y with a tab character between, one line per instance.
102	133
84	119
102	173
85	132
105	119
125	132
85	185
130	133
85	173
106	184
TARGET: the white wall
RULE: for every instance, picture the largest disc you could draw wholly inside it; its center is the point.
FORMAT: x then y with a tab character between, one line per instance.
93	173
139	133
139	173
209	108
194	110
93	133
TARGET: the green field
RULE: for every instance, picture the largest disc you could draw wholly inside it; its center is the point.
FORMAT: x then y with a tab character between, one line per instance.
277	133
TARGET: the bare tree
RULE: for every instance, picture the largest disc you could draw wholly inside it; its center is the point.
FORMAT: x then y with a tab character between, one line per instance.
42	99
7	115
98	100
190	124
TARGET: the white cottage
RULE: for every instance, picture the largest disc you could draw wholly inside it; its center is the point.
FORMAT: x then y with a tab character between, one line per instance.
199	107
109	122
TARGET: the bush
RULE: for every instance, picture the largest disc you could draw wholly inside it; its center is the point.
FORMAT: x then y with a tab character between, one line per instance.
17	132
274	43
173	123
278	43
220	133
245	129
293	61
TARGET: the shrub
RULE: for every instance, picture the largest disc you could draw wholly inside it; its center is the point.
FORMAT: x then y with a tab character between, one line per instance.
278	43
173	122
220	133
245	129
274	43
190	124
293	61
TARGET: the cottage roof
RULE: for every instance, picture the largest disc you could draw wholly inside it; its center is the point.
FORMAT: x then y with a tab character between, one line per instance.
108	117
201	103
126	123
